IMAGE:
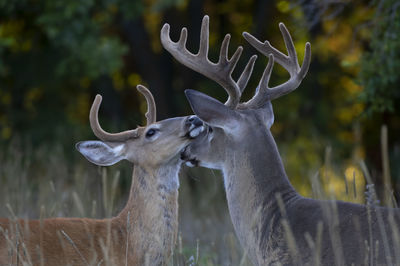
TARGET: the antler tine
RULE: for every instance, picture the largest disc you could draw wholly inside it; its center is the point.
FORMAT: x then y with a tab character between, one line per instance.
219	72
262	91
151	105
289	62
204	37
263	85
245	76
266	48
293	64
306	61
99	132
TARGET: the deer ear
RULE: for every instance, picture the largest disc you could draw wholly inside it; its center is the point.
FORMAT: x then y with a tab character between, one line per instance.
100	153
268	114
210	110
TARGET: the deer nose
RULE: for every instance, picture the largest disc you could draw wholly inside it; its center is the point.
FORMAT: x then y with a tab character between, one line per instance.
194	120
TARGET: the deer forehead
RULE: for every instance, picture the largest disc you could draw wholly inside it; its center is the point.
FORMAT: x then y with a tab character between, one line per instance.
154	126
242	126
141	130
256	119
171	122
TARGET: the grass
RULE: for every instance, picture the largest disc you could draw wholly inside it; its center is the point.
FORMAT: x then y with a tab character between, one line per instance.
45	182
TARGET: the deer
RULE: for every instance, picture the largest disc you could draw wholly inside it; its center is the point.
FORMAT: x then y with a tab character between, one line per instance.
145	231
274	224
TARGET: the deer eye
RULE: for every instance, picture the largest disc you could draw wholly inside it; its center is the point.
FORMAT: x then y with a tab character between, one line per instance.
151	132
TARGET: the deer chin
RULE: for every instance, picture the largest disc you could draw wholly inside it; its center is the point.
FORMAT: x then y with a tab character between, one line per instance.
192	163
187	158
198	131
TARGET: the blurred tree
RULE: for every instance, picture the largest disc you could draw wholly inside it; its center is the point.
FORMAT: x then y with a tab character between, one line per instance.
363	39
380	66
56	55
380	77
51	52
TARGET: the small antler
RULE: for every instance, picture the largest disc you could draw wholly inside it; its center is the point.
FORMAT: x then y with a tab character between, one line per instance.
125	135
219	72
290	63
151	105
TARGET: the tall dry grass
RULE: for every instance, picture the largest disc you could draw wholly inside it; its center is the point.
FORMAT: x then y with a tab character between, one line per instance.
46	182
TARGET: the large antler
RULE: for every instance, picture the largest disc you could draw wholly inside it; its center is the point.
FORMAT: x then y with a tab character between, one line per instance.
125	135
289	62
219	72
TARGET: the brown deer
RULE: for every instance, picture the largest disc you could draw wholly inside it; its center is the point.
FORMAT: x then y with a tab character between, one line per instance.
275	225
144	232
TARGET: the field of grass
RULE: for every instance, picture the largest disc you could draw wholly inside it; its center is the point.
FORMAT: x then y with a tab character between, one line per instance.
43	182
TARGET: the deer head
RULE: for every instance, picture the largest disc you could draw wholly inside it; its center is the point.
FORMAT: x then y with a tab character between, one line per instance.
233	125
151	146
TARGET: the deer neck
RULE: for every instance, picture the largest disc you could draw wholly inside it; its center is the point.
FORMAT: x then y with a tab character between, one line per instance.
151	213
253	176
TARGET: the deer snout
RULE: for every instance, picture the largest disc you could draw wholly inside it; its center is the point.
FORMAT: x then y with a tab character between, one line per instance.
195	126
193	121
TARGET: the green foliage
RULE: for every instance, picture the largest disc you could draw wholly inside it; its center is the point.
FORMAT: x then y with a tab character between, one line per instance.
380	66
78	34
77	31
53	51
160	5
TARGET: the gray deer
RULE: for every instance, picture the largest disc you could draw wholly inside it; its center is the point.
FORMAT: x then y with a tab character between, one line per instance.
275	225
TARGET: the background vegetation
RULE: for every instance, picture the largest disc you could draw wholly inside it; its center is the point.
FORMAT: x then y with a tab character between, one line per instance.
56	55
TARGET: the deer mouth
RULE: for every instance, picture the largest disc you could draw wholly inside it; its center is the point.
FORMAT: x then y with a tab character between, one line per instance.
195	127
189	160
194	132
